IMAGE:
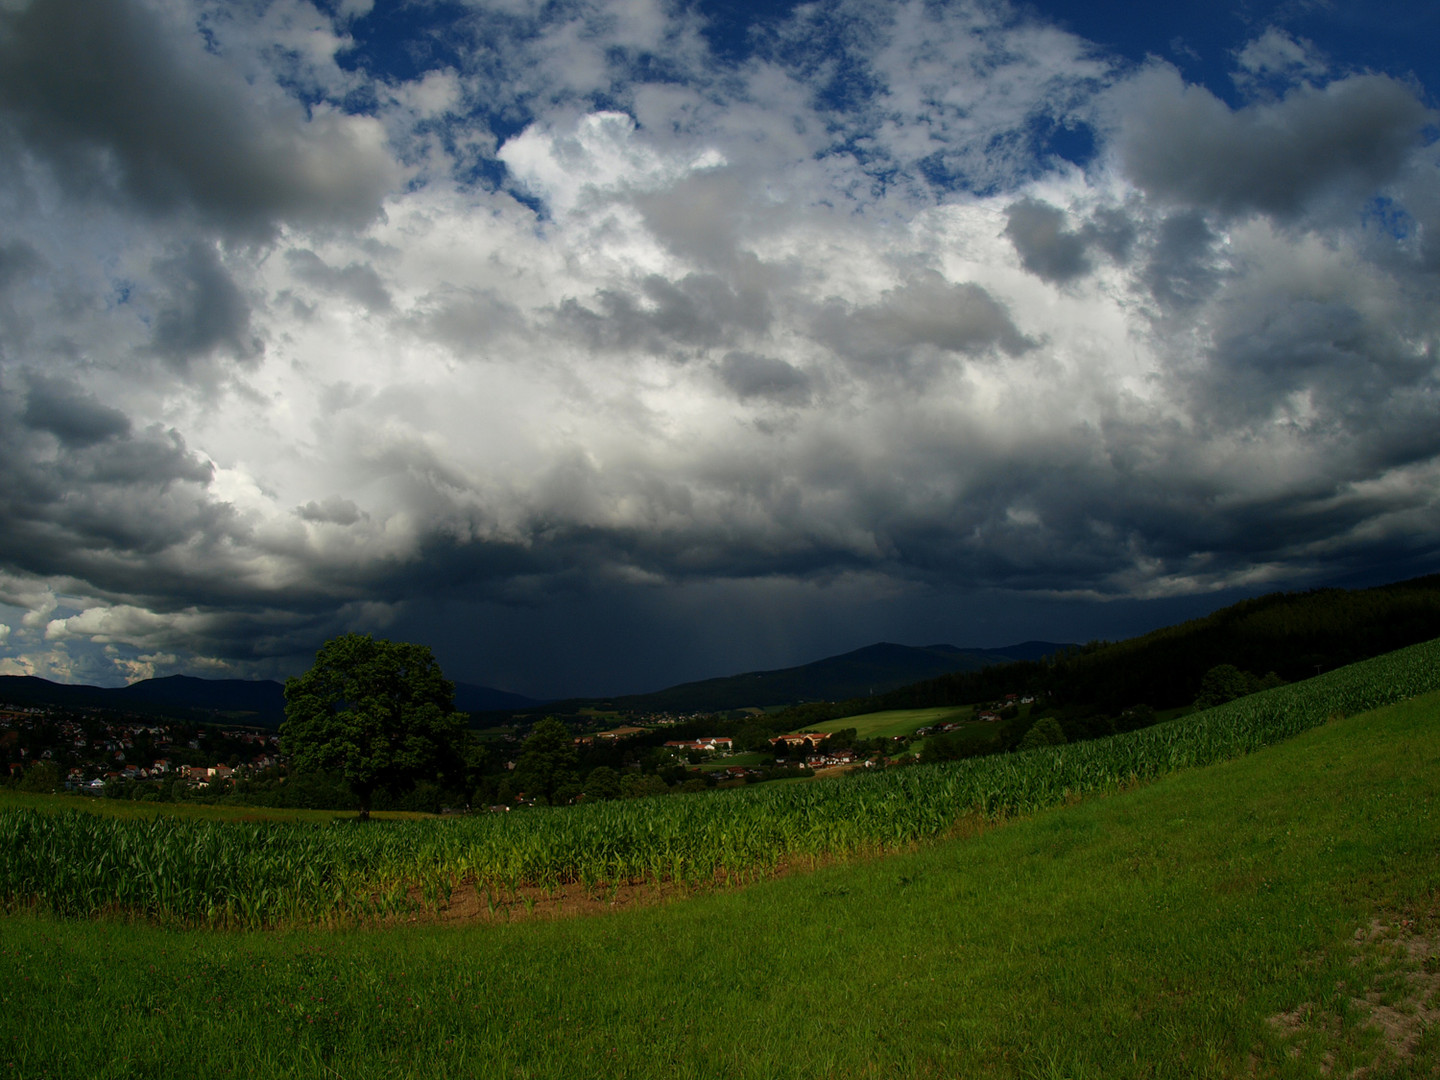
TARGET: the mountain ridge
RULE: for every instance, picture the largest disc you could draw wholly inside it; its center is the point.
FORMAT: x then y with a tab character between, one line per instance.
242	701
872	669
876	668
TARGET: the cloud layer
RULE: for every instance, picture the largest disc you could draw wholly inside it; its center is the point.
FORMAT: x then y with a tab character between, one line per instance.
292	342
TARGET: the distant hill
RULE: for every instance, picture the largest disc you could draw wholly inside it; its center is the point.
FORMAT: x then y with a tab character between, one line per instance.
178	697
261	700
472	699
874	669
1294	635
184	697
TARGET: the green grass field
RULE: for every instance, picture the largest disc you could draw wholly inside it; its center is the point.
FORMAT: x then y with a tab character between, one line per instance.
749	760
895	721
140	809
187	871
1228	921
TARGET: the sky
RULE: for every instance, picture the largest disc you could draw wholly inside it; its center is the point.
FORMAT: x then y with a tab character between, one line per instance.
606	344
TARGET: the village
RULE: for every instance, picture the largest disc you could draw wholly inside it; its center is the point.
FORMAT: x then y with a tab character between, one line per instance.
91	750
806	749
105	752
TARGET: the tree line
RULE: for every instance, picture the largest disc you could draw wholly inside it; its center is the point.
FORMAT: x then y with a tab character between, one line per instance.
1290	636
372	725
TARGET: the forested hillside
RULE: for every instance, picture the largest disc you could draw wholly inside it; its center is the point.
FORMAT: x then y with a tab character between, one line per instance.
1294	635
874	669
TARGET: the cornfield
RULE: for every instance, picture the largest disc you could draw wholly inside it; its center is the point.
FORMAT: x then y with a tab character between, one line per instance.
256	874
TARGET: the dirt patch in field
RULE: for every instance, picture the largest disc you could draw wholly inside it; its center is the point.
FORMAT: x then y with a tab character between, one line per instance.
478	904
470	902
1383	1019
1405	1002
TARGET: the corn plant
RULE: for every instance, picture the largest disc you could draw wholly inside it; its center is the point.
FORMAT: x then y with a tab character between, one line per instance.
254	874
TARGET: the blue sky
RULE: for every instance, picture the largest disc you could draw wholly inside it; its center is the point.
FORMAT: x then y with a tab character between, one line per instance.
602	344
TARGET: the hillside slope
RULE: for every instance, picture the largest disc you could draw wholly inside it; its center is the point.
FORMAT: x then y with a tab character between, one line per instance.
874	669
1291	634
243	701
1248	919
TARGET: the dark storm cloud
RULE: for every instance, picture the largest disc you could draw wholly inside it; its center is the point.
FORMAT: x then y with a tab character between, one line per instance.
1085	512
1210	397
109	501
1112	231
334	511
1181	271
155	458
753	376
1062	517
111	95
699	217
1183	144
927	311
17	260
204	310
356	280
464	319
1052	251
129	516
70	414
1351	366
697	311
1046	247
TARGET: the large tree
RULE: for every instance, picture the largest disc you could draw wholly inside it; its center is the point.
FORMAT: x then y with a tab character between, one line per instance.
546	765
378	713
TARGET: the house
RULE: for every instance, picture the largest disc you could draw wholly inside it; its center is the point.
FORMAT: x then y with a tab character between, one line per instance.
710	743
198	775
813	738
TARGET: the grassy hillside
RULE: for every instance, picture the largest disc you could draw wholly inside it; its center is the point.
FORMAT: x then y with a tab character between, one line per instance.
256	874
1294	635
874	669
893	721
1253	918
139	809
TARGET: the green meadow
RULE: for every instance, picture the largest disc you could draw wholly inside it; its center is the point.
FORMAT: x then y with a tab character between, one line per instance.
255	874
895	721
747	760
1271	915
142	810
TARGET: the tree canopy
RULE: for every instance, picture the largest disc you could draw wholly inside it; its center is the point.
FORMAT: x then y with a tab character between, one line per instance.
378	713
545	770
1044	732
